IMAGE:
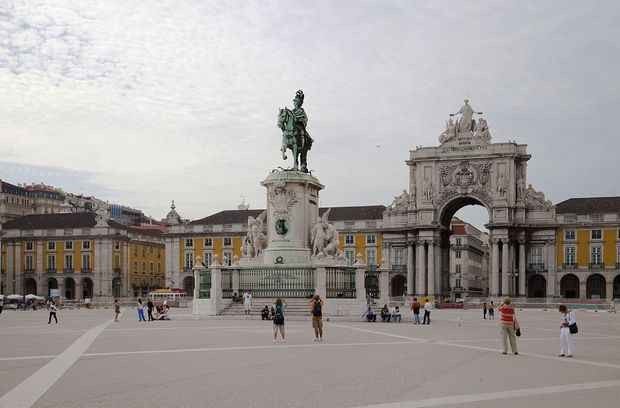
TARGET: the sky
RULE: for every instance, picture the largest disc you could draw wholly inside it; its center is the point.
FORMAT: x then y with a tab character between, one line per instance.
141	103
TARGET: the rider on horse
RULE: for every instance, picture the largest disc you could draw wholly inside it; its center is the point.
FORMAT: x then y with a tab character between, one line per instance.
301	141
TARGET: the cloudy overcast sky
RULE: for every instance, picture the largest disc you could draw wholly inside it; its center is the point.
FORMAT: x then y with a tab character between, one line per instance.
144	102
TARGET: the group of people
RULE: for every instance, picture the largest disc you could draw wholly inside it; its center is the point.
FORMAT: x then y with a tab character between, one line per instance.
277	315
394	314
161	310
488	309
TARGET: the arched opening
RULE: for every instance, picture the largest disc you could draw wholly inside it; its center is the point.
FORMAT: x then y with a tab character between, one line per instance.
537	286
52	284
69	289
569	286
371	281
464	260
116	287
398	286
30	286
188	285
595	287
87	288
617	287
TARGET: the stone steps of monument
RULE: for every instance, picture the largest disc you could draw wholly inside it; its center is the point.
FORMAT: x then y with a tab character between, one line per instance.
294	307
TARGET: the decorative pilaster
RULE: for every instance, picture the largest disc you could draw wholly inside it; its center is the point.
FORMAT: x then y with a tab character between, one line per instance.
494	290
431	268
410	268
551	269
505	268
420	273
522	273
198	268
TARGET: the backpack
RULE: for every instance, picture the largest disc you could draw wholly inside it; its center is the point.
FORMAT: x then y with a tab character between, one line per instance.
316	309
278	318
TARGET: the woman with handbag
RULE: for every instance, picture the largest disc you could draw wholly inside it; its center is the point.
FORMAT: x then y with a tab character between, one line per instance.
568	328
509	326
278	321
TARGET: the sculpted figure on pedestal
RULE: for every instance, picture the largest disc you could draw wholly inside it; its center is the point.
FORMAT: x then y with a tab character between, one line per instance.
449	133
401	202
295	137
465	123
482	130
255	240
324	238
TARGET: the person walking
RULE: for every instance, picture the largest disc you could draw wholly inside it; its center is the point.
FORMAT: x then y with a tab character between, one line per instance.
316	309
568	328
53	310
149	309
509	324
484	310
427	312
117	310
140	308
491	311
415	307
247	302
278	321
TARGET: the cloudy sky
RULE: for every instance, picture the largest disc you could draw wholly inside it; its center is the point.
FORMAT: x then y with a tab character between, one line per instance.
144	102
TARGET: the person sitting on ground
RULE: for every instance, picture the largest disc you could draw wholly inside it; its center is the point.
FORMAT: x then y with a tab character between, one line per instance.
385	314
265	313
272	312
370	314
164	313
396	316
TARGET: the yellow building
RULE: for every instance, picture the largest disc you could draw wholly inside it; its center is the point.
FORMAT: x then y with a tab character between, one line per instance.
68	255
588	247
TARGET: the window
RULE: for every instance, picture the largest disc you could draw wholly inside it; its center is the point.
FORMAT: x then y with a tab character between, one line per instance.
86	262
68	245
189	243
158	268
596	255
29	246
117	245
51	263
69	261
349	255
596	234
371	256
29	263
189	260
371	239
86	245
227	257
349	239
135	267
152	268
569	235
143	252
227	241
457	253
208	242
117	261
208	258
459	242
458	268
399	258
570	255
51	245
143	267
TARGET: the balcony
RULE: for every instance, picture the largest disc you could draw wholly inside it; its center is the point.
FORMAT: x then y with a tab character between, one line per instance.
86	270
399	268
68	270
597	265
536	267
569	266
50	270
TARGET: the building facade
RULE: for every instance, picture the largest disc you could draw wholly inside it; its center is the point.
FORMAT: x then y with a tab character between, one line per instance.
69	253
17	201
469	261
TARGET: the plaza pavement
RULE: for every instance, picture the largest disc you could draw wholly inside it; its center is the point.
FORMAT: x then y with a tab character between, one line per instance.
89	361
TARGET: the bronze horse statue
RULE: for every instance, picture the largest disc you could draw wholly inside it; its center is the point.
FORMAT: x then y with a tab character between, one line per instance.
294	138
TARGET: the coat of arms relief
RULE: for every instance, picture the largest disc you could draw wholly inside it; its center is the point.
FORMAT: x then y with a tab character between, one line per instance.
464	178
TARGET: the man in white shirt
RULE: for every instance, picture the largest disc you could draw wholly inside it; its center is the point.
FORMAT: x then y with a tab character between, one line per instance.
427	312
247	302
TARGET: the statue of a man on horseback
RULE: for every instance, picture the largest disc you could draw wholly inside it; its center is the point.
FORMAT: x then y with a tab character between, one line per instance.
295	137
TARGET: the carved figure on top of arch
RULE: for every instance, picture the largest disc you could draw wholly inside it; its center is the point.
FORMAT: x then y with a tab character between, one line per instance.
449	133
520	182
482	131
401	202
501	184
428	190
536	199
465	122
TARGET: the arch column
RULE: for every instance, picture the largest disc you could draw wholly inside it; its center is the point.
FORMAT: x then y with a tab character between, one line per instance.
522	273
505	267
420	273
551	270
495	268
410	268
431	268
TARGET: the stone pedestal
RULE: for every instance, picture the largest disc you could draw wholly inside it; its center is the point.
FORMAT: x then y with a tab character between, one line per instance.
292	210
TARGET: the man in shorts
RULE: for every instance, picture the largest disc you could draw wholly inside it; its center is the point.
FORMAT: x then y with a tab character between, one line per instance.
316	309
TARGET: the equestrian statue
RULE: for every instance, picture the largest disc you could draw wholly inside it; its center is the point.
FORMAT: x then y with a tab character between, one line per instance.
295	136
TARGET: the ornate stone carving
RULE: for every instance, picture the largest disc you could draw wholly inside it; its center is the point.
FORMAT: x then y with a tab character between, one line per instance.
536	200
462	179
255	240
324	238
428	190
501	185
401	202
466	131
482	132
281	200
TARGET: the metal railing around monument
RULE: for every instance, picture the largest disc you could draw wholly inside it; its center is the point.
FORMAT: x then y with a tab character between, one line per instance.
227	287
205	285
340	283
273	282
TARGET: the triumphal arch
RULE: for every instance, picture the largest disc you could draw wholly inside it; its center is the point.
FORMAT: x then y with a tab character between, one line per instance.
468	168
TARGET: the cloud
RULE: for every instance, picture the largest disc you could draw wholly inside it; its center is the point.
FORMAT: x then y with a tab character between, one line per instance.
178	99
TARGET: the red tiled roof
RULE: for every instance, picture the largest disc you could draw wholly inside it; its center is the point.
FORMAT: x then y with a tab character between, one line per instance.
589	205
